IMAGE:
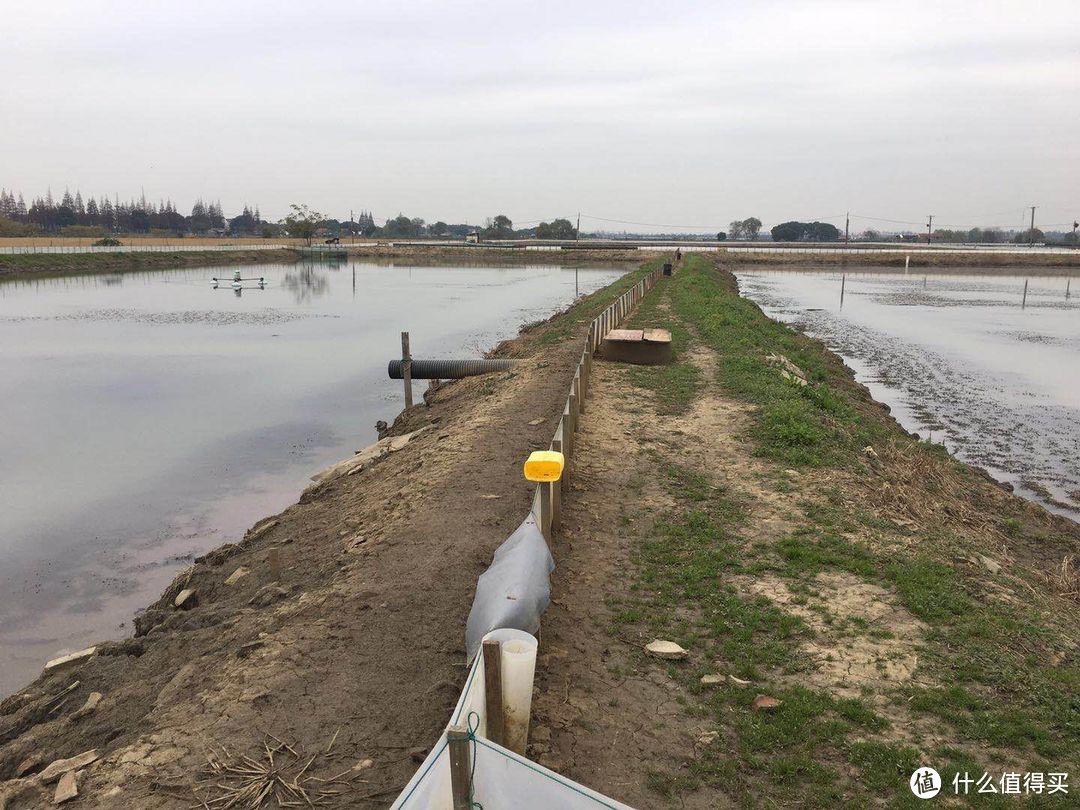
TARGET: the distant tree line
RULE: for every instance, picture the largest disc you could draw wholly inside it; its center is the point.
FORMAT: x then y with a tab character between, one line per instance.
72	215
989	235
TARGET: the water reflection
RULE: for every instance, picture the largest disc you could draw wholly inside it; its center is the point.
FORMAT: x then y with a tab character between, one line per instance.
306	284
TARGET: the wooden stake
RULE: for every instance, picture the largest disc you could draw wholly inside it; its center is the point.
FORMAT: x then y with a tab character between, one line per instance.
406	368
568	448
556	487
583	372
493	691
458	739
545	509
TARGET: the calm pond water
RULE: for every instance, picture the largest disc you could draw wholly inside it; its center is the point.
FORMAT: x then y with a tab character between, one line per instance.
963	360
146	418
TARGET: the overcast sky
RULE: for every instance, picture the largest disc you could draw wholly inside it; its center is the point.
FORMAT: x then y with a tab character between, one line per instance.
668	113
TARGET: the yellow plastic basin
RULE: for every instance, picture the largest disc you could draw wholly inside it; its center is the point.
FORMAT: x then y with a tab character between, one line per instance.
544	465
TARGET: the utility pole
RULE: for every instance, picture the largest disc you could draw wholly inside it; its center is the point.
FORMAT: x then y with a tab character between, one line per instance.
847	223
1031	233
577	231
929	225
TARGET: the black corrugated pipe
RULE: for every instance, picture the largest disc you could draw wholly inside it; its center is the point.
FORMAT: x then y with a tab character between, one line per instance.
448	369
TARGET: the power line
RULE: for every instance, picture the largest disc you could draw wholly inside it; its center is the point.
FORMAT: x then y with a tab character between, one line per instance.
884	219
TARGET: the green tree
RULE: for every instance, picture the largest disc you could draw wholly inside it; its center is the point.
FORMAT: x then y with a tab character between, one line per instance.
556	229
200	218
1029	236
302	222
805	232
787	231
402	226
751	227
499	228
821	232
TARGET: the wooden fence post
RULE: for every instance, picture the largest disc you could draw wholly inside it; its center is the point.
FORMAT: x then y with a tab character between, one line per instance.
406	368
493	691
579	383
457	738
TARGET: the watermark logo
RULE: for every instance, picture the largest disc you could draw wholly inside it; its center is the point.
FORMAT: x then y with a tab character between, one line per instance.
925	783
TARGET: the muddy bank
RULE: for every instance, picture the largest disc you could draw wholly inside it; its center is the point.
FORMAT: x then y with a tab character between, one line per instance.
501	255
335	630
62	263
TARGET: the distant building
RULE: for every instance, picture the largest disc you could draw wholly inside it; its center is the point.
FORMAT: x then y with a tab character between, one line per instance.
473	236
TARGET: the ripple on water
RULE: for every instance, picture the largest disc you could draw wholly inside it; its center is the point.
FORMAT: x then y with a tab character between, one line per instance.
207	317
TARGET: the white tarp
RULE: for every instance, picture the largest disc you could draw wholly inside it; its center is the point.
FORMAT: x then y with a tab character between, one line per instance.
515	591
501	779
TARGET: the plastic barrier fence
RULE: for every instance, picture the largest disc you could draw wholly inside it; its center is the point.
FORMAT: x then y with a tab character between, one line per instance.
499	778
510	597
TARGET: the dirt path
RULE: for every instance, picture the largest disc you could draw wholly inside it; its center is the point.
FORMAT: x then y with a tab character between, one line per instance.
607	715
352	655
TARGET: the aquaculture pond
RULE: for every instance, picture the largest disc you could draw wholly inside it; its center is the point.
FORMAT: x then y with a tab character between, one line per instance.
148	417
988	364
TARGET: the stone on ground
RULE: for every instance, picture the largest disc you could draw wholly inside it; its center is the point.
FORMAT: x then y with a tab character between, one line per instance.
67	788
62	766
665	649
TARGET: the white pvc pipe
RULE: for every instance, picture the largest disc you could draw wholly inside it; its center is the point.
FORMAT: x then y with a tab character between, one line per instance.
518	669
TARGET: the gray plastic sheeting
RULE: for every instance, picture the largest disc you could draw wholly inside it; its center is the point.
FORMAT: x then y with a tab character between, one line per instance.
515	591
